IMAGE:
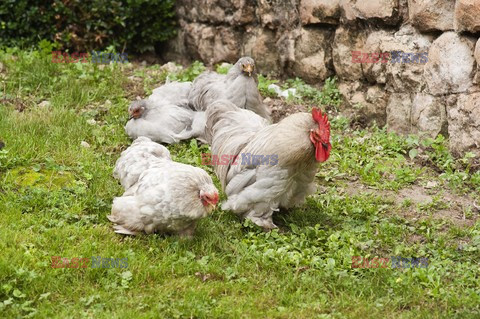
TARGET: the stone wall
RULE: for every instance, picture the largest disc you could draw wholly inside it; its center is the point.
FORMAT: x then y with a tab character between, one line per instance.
314	39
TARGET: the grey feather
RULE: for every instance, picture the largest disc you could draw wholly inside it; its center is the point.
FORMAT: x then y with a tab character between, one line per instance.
236	86
257	191
171	93
166	117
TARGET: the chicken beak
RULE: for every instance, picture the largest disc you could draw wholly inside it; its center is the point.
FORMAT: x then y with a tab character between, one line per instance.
211	207
249	69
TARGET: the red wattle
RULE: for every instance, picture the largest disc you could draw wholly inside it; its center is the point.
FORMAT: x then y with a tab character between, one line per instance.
322	154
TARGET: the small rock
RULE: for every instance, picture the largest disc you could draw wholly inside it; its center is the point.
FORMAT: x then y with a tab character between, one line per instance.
203	277
477	207
144	63
171	67
108	103
431	184
267	100
44	104
85	144
91	121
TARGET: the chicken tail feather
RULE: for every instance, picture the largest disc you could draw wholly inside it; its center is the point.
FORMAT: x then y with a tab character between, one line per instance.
125	211
121	230
215	113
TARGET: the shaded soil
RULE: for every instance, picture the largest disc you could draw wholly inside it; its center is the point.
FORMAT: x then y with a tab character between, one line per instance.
280	108
17	103
133	88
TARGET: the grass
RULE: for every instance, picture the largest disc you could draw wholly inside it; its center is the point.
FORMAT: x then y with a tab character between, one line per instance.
55	194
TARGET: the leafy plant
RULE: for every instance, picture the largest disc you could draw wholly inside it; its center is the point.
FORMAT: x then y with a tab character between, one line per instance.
223	68
131	25
188	74
329	95
263	83
437	151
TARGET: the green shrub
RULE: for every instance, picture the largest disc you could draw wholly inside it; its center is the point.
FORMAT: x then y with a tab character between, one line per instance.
127	25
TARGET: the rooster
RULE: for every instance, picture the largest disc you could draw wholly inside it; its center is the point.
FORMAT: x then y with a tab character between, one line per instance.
273	166
167	196
239	86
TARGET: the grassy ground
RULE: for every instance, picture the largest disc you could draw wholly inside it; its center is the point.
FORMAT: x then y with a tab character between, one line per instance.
379	195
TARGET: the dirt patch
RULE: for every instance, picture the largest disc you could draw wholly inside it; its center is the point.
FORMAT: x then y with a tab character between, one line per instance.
451	207
133	88
117	149
416	194
418	203
17	103
280	108
416	239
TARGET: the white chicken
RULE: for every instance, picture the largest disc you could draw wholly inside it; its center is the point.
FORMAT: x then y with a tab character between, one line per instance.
165	116
273	166
138	157
168	197
239	86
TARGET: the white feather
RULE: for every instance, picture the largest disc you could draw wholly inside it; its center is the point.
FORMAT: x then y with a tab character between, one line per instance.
165	196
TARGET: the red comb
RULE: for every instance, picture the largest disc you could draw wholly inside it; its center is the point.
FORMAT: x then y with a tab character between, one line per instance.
319	118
